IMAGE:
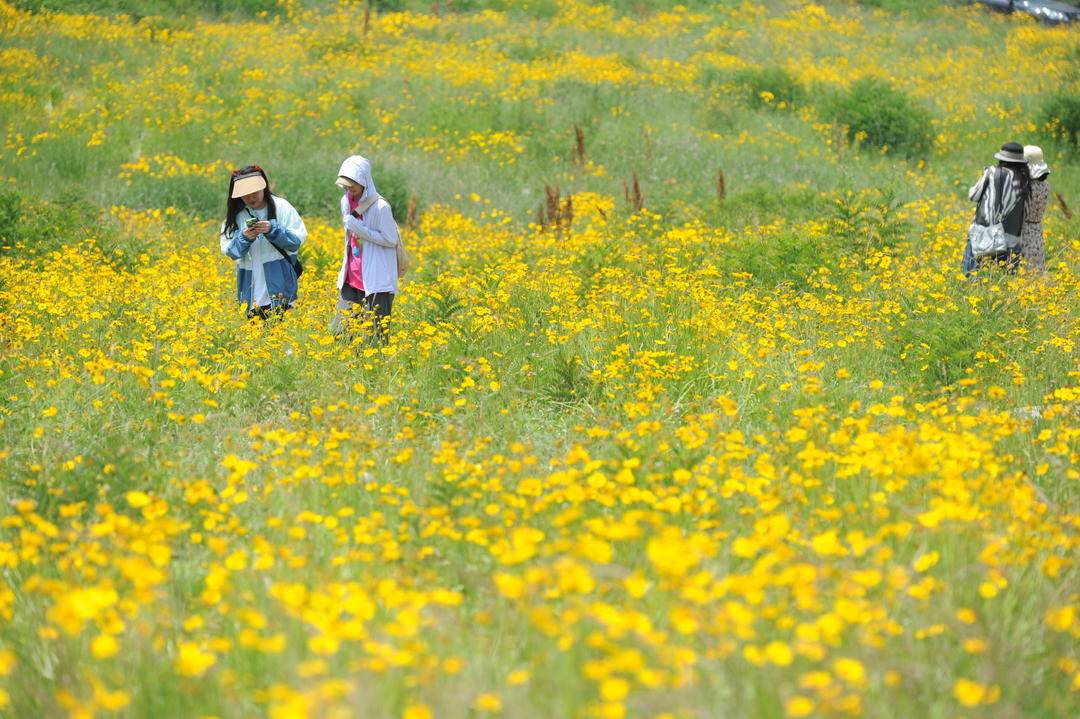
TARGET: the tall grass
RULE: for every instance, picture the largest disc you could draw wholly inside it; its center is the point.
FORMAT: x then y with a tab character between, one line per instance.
782	458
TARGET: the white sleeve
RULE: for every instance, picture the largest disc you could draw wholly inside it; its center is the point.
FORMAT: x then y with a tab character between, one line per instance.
977	189
387	234
293	223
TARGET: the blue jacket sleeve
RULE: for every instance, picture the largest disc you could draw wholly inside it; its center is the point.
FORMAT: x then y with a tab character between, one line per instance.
283	237
235	245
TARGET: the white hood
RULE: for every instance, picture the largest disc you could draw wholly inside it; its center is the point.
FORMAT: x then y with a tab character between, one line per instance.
358	169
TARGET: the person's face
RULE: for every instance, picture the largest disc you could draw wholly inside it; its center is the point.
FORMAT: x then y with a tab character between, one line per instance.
355	192
255	200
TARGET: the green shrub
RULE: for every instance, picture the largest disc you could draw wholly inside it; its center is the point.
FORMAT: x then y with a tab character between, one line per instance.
1062	115
876	113
144	8
769	87
10	215
867	220
766	203
788	259
915	7
393	186
36	228
532	8
30	227
937	348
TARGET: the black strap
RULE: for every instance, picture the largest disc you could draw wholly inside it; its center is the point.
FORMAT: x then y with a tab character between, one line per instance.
283	252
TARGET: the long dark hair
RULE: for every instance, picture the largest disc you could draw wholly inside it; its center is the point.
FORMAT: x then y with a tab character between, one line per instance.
233	205
1022	173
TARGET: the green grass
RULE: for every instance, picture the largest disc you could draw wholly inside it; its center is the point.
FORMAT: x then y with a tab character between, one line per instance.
821	292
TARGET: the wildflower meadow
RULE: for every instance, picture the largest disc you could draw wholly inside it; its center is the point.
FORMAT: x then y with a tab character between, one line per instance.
686	412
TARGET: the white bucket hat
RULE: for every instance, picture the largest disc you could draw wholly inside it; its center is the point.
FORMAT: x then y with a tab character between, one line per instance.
1034	157
246	184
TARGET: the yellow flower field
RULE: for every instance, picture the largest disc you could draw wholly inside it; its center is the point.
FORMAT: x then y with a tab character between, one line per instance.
633	463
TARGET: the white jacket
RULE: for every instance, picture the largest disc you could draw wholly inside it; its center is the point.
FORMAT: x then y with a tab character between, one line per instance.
378	231
263	276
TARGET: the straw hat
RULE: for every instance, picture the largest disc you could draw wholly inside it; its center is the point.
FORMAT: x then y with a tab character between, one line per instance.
246	184
1034	157
1011	152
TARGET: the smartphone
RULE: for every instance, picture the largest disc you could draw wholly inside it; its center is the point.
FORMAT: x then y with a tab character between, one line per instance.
250	221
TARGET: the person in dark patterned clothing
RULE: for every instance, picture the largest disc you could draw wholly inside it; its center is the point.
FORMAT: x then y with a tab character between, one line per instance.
1032	246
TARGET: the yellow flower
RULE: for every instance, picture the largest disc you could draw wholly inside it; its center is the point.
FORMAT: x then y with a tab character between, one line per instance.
488	702
517	677
1061	619
137	499
672	554
798	706
416	711
614	689
636	585
926	561
192	661
826	544
104	646
779	654
971	694
966	615
111	700
850	670
975	646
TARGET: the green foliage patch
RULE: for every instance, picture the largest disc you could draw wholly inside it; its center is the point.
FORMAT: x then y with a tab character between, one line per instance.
769	88
880	116
1061	114
146	8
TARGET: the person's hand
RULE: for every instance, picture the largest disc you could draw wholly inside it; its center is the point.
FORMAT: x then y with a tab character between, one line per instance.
250	232
261	227
355	226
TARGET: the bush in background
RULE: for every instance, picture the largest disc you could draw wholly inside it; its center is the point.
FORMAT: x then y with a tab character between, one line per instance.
769	87
1061	114
876	113
144	8
393	187
914	7
31	227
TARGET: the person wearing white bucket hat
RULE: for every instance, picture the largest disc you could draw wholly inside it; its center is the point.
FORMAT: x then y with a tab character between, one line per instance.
1001	193
1032	245
263	233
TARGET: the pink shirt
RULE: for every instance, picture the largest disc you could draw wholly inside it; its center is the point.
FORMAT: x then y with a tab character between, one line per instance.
355	275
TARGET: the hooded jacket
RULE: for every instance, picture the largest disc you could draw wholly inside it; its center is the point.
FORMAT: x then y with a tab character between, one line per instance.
377	231
258	264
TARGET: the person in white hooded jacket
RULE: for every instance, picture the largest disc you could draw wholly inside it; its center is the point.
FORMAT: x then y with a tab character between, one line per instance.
369	268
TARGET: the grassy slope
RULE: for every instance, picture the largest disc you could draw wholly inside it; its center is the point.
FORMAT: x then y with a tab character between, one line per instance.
537	380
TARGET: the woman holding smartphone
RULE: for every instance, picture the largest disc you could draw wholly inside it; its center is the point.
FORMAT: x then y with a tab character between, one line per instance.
369	270
263	233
